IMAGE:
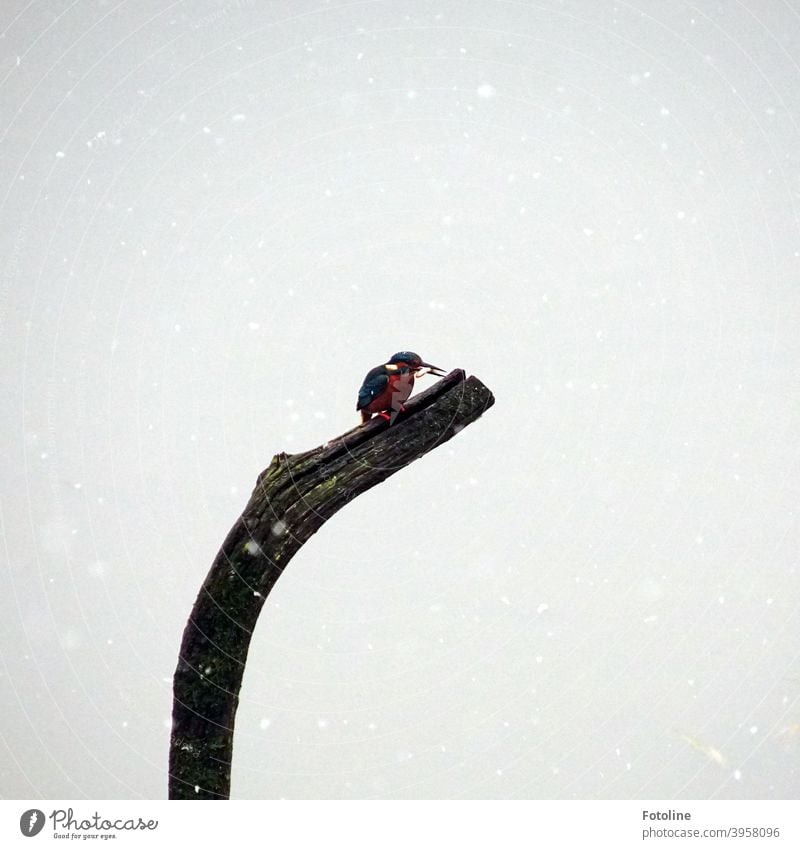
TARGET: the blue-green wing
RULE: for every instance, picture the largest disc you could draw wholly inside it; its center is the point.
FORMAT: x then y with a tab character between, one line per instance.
374	383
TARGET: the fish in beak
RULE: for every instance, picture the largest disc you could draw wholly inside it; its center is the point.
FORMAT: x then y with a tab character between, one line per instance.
427	368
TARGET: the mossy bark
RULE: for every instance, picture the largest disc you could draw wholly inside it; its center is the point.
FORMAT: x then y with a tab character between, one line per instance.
292	499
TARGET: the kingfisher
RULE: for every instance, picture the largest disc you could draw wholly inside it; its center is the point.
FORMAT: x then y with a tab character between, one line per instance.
386	388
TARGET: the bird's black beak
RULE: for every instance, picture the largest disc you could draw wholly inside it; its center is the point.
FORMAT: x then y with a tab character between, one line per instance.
435	370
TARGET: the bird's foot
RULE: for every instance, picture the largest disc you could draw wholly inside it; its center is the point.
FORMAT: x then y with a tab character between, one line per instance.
384	415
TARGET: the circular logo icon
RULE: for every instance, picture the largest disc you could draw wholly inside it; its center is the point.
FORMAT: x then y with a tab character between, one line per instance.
31	822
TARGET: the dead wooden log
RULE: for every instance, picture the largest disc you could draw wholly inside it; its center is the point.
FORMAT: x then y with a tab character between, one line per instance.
292	499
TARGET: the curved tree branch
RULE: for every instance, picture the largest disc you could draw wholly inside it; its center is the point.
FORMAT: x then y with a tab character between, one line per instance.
292	499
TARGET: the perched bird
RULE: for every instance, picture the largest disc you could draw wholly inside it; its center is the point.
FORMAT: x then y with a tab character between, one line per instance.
386	388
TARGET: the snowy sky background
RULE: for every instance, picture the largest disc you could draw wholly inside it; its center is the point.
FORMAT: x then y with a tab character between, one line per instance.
217	216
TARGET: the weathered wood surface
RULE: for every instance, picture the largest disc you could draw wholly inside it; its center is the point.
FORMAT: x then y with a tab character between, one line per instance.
292	499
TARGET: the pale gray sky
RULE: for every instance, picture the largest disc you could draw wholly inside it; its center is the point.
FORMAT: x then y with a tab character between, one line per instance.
217	216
